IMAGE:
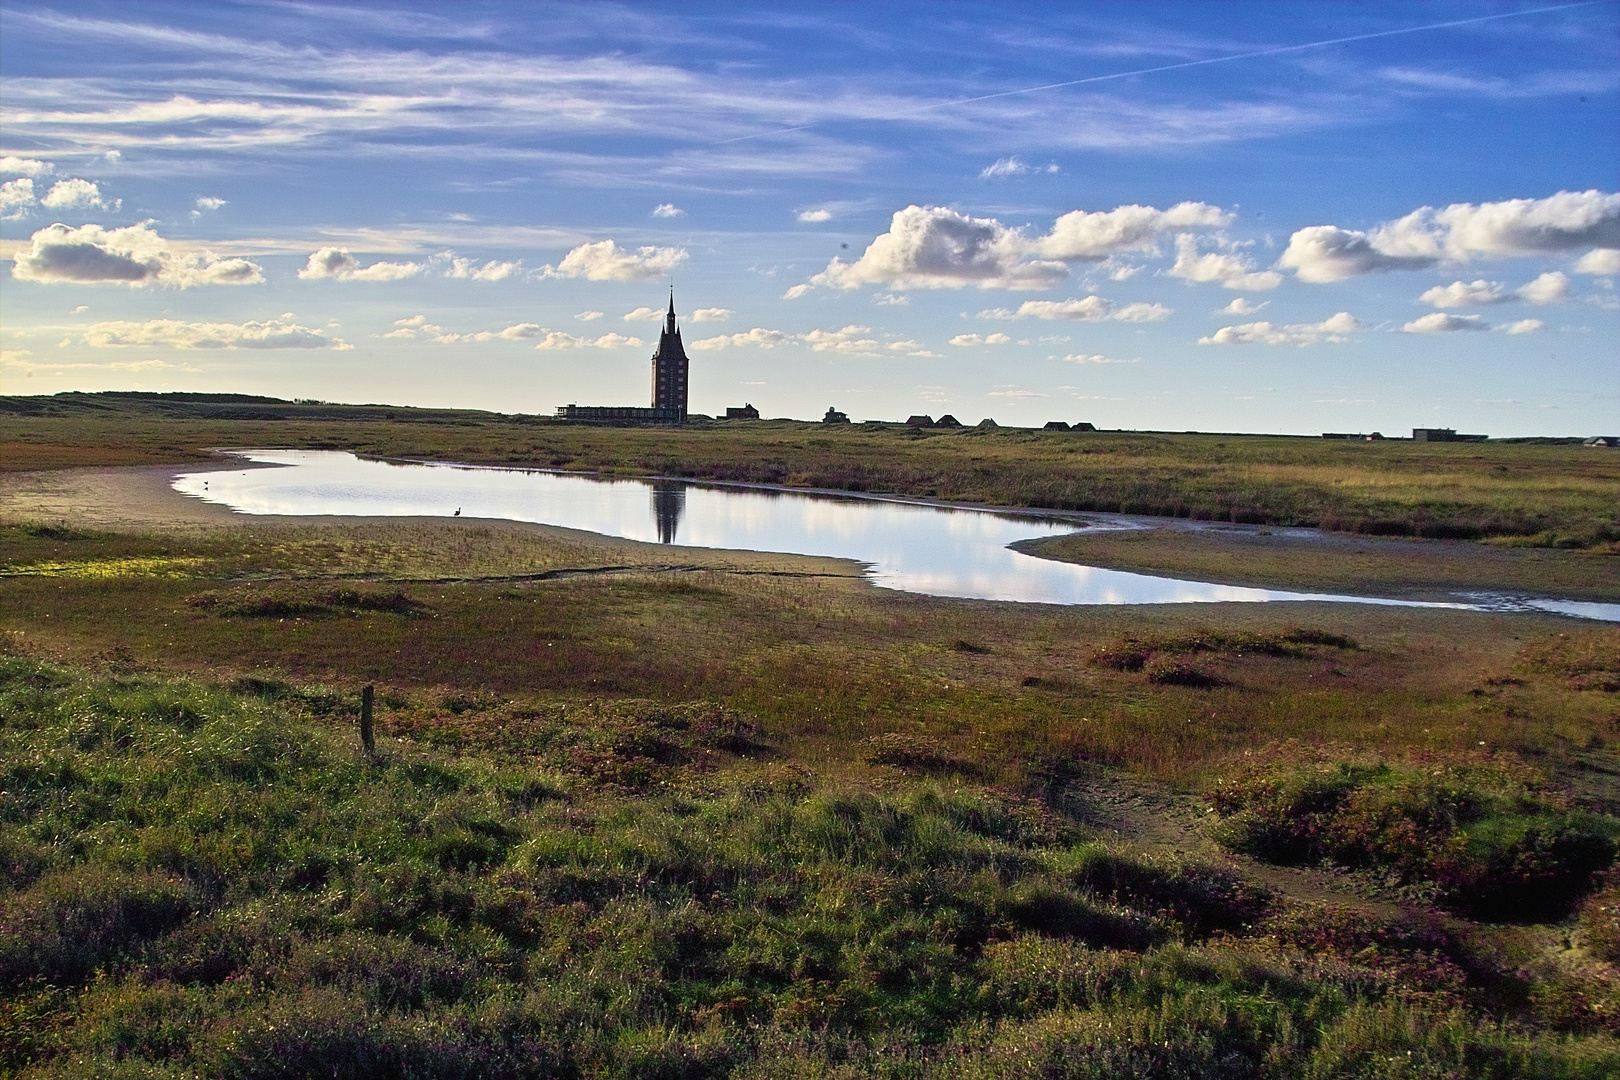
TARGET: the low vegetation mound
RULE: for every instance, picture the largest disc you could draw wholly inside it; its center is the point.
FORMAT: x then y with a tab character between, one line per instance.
197	881
1484	832
288	601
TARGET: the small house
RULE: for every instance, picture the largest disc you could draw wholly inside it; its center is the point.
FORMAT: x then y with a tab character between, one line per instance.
920	420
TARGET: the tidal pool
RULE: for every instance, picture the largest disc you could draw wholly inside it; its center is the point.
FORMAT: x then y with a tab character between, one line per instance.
913	547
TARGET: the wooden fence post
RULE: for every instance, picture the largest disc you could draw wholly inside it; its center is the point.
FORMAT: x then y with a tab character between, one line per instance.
367	738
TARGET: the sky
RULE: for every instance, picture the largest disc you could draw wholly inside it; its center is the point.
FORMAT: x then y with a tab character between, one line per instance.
1245	217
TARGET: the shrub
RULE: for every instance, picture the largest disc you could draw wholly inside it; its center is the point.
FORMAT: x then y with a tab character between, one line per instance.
72	922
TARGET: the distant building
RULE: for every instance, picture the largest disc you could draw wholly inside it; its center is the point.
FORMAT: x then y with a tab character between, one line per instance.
747	412
988	422
920	420
947	421
670	368
1443	434
1357	437
1083	426
1056	425
835	417
1603	440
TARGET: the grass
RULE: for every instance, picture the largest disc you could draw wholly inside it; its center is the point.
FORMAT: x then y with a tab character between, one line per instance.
216	881
1553	495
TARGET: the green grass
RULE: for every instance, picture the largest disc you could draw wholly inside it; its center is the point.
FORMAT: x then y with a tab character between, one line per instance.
210	881
1558	495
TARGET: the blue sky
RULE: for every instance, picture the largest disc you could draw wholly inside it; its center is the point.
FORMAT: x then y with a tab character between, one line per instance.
1230	217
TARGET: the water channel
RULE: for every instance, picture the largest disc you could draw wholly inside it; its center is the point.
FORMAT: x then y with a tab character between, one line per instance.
909	546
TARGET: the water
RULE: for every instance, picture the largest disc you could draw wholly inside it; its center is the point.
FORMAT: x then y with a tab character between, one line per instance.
912	547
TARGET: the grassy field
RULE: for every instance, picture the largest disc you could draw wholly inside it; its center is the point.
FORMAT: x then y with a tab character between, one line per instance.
1547	495
637	811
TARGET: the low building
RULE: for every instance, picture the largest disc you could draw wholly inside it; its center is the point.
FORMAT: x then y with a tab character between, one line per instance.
920	420
1084	426
1056	425
1603	440
1443	434
747	412
619	414
948	421
988	422
835	417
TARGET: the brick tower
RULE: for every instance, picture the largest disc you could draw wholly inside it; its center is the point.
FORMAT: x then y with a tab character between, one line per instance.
669	370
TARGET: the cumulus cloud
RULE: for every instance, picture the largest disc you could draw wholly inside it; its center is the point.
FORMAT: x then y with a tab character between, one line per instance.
797	291
1466	294
644	314
711	314
417	327
464	269
1523	326
72	194
133	255
1082	309
1458	233
935	247
589	316
209	202
1441	322
16	198
884	299
1550	288
814	217
605	260
1599	261
282	333
970	340
556	339
1092	237
667	210
1331	330
339	265
11	165
849	339
1242	306
1231	269
758	337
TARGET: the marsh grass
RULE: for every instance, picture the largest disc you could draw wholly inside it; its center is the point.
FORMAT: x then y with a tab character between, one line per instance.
212	881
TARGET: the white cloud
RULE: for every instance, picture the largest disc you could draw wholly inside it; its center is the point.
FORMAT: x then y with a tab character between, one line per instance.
1142	312
463	269
711	314
1523	326
884	299
1242	306
814	217
937	248
1330	330
209	202
1084	309
644	314
607	261
133	255
970	340
1440	322
1013	166
1599	261
797	291
1123	273
667	210
758	337
556	339
1458	233
339	265
16	198
417	327
849	339
282	333
1550	288
1091	237
1093	358
72	194
1229	268
1465	294
11	165
588	316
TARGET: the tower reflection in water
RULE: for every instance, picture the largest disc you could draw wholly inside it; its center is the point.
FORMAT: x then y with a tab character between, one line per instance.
668	503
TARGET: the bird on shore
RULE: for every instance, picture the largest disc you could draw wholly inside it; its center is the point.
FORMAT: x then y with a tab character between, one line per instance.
457	513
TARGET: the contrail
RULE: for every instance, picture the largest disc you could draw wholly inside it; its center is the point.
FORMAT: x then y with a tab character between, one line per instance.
1176	67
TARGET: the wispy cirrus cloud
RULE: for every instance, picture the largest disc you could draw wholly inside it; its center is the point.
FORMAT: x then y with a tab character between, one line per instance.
280	333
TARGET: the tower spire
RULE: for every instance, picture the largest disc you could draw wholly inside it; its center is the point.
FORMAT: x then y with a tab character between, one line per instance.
670	328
